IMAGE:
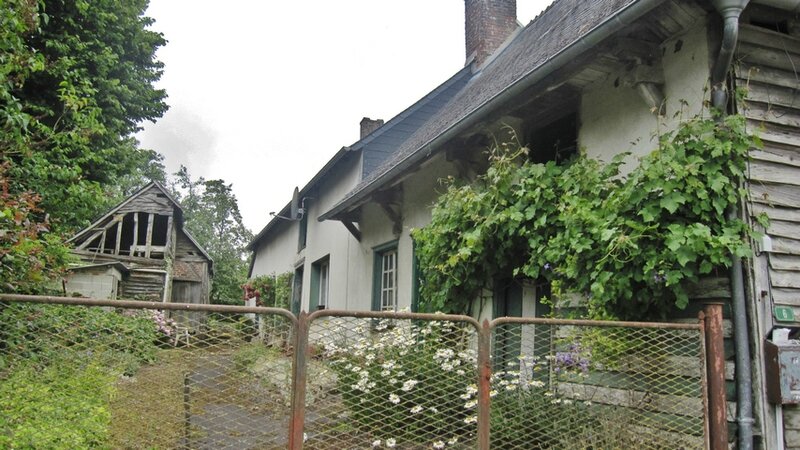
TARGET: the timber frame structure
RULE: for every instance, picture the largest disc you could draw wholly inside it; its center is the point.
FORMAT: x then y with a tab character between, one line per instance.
141	250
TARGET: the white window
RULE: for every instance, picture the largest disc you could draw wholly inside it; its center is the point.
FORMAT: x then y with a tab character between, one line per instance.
388	288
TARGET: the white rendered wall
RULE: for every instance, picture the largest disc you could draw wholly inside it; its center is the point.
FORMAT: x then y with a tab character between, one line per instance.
615	119
330	238
277	253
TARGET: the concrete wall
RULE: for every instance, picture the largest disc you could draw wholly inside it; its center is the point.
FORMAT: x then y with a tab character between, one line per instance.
615	119
100	284
277	254
419	192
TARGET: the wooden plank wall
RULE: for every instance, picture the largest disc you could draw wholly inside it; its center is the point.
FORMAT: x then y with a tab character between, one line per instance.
150	201
768	67
143	286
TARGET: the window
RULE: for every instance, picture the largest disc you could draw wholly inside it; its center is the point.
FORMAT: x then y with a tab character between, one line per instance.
303	233
384	297
320	281
137	234
556	141
389	281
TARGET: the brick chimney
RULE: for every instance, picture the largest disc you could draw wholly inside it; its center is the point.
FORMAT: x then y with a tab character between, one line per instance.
488	23
368	126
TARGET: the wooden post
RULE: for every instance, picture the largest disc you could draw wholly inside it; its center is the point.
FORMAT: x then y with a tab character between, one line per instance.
715	368
103	242
119	235
149	240
135	233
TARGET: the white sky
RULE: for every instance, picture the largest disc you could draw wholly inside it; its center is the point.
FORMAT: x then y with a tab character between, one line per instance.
263	93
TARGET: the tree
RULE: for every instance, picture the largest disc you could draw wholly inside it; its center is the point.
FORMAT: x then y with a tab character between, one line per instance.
76	79
77	83
211	214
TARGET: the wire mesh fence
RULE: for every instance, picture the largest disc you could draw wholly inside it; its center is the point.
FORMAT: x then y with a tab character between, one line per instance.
401	383
577	385
124	377
115	374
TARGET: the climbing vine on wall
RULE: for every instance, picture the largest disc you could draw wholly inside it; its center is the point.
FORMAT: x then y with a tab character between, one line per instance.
628	243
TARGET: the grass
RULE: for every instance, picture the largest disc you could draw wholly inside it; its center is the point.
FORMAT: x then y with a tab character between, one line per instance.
148	409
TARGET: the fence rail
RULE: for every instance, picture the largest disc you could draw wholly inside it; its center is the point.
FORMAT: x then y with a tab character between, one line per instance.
131	374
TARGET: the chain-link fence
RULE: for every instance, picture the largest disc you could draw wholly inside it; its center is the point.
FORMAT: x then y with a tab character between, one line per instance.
576	384
123	374
390	382
128	376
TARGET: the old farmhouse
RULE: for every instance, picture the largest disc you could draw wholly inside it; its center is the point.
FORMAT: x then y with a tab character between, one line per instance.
598	76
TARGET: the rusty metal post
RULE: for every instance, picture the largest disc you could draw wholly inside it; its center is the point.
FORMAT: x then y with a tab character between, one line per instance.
187	411
701	320
484	385
715	376
299	376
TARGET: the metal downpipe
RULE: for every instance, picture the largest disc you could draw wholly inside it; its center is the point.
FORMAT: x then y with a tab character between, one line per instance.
730	11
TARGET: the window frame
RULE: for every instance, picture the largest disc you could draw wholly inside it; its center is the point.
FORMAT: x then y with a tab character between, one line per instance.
378	272
320	284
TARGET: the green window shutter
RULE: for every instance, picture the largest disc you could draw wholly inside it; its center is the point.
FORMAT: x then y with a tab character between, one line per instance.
303	233
415	277
313	302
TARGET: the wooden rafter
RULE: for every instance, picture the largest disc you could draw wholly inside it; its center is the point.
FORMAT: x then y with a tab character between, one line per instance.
353	229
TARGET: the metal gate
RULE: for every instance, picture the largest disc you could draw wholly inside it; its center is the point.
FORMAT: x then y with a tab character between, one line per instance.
121	374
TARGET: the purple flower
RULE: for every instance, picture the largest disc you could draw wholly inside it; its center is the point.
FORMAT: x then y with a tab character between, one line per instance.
571	359
546	266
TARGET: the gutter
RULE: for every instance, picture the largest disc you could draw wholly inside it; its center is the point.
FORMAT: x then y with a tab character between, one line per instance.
730	11
605	29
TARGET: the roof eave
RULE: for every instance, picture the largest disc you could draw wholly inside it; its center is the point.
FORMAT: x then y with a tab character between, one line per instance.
605	29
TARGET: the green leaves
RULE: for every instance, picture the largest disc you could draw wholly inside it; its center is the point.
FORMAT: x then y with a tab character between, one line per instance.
212	216
629	243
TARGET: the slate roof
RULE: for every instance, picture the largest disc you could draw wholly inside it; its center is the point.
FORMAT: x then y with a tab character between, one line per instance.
379	145
560	26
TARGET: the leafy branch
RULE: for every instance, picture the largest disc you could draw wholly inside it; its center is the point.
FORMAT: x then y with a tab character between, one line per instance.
628	243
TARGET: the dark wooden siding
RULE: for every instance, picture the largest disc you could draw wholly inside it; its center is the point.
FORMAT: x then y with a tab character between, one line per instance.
143	286
149	201
767	69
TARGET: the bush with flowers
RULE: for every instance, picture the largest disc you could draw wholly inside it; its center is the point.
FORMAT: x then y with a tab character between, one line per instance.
405	382
530	406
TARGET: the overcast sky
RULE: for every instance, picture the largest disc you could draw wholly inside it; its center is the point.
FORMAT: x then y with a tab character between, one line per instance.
263	93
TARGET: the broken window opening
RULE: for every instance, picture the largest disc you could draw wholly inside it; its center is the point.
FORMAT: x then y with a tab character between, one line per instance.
556	141
133	236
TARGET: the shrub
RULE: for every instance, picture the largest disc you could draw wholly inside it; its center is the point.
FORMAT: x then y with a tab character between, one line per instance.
404	382
528	407
59	365
630	244
40	334
64	406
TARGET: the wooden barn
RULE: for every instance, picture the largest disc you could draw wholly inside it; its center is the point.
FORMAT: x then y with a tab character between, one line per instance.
140	250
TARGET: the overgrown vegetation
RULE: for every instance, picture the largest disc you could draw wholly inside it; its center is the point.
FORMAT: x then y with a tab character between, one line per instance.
75	82
212	216
407	381
628	243
59	366
270	290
